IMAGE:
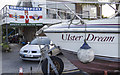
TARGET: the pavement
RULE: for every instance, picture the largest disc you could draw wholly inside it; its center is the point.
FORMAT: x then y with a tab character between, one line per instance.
11	62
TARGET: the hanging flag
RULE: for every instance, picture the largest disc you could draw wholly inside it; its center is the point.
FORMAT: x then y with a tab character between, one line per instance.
27	15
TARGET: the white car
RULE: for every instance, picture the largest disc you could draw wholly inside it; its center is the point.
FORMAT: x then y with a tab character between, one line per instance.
31	51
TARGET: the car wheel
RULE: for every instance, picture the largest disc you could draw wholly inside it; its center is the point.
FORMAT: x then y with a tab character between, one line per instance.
57	62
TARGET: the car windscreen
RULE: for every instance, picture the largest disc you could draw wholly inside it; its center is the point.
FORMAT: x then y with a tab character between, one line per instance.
40	41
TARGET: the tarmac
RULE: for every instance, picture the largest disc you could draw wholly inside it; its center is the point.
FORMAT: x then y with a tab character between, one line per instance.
11	63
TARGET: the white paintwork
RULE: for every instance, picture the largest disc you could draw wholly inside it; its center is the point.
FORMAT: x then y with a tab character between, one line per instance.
100	47
31	48
29	53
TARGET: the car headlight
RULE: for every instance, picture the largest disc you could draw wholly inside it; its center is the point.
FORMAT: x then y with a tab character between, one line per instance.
21	51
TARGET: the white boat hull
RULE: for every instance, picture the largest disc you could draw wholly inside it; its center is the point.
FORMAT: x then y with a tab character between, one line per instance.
102	36
103	44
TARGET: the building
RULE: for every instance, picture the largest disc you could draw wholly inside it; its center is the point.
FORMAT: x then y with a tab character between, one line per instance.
91	11
29	31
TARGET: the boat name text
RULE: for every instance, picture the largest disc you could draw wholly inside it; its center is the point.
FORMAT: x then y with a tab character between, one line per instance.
89	37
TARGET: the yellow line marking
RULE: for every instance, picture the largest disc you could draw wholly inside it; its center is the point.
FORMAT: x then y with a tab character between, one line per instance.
71	71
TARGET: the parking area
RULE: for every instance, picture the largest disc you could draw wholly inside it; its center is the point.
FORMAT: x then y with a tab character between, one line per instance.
11	62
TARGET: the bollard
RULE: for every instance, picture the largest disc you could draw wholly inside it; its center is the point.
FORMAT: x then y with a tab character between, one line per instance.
21	71
31	70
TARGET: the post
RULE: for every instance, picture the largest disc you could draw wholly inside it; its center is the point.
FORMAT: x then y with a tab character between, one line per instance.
117	8
7	33
31	70
0	50
1	33
99	11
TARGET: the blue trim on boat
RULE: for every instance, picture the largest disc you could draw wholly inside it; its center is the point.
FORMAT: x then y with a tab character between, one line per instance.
82	31
89	26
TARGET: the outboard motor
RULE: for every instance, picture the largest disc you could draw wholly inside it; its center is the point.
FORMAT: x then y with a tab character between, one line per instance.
85	53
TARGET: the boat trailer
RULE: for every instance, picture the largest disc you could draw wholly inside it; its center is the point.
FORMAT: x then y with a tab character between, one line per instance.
45	54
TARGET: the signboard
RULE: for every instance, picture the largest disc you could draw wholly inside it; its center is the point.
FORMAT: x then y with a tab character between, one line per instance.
22	15
26	24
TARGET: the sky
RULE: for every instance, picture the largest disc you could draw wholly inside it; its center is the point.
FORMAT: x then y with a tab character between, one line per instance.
7	2
105	9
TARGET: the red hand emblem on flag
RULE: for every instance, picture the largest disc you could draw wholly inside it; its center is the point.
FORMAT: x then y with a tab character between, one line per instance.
27	19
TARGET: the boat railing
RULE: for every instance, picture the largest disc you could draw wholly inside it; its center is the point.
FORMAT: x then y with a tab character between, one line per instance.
66	15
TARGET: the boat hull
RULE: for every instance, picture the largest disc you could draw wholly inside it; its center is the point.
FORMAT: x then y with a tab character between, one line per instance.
101	35
103	44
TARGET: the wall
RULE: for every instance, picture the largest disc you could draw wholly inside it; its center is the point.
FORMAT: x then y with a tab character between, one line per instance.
28	32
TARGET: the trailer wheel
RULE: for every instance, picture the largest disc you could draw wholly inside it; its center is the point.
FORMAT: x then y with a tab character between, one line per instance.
57	62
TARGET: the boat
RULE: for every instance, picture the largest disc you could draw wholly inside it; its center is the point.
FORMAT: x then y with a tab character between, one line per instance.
101	35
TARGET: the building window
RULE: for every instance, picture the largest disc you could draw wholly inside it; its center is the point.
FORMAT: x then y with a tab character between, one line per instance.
54	16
